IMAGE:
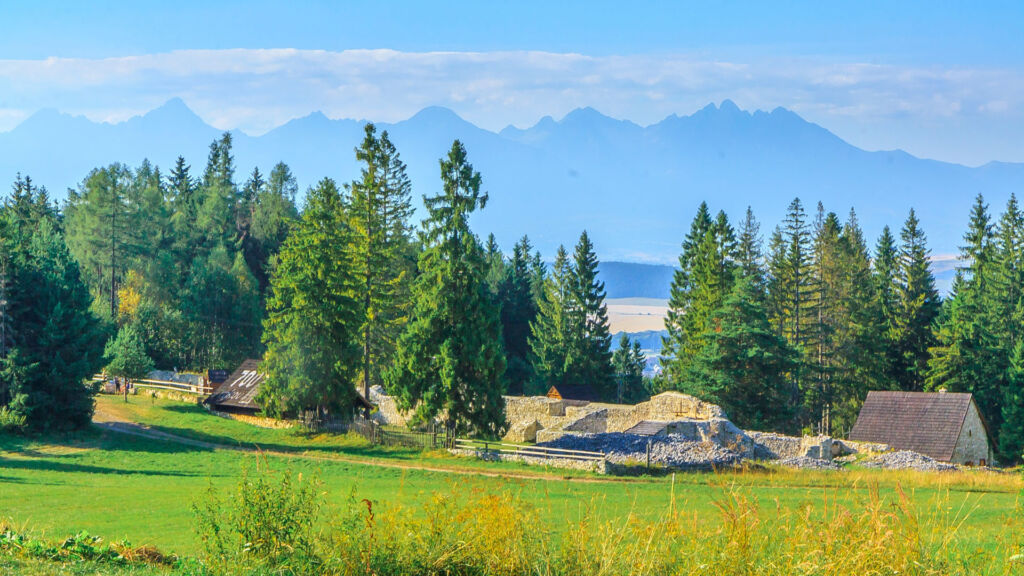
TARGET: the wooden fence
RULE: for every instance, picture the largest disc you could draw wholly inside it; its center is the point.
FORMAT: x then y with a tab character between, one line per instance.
528	450
182	387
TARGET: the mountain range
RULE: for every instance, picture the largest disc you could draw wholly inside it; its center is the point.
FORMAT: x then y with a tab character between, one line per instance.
633	188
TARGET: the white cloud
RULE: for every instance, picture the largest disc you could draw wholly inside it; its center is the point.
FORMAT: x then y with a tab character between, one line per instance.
256	90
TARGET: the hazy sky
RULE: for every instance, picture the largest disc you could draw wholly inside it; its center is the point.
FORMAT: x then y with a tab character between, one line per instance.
940	80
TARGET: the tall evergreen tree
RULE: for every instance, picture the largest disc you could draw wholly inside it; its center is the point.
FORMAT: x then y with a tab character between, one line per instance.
629	362
711	270
313	320
1011	432
676	344
99	232
54	341
379	211
749	252
887	290
449	362
968	356
744	365
518	310
918	305
588	356
549	332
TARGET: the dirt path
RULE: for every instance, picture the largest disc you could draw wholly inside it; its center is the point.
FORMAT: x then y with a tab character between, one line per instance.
111	422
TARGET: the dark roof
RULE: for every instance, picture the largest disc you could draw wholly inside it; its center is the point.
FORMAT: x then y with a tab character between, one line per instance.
925	422
239	390
647	428
581	392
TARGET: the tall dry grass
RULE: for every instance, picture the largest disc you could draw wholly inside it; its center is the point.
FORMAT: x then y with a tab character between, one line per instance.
484	533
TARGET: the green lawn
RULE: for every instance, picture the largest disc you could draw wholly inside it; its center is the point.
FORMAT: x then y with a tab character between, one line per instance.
120	486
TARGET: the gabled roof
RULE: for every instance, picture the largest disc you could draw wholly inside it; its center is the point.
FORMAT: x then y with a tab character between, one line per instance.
580	392
239	390
925	422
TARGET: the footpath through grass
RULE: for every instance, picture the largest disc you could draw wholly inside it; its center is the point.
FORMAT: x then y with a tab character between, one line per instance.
126	487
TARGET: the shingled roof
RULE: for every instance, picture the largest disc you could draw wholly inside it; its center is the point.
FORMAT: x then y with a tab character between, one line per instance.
925	422
239	390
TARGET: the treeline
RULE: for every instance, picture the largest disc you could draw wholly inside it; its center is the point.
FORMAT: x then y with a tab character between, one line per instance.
793	335
195	271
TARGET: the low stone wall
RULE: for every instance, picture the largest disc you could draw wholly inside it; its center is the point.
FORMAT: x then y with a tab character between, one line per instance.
599	466
387	409
258	421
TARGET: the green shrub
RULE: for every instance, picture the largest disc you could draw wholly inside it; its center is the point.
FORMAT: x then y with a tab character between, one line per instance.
11	421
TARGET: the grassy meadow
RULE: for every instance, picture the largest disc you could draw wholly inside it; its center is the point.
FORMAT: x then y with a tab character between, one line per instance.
121	486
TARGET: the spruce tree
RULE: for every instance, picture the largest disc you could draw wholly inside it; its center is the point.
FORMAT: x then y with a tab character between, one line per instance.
918	305
887	289
549	332
968	356
675	345
518	310
749	252
744	366
126	355
99	232
588	351
379	211
54	341
1011	432
313	315
449	363
629	362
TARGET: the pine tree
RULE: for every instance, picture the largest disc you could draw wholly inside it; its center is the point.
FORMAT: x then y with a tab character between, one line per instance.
968	356
54	345
917	307
749	253
99	232
675	346
273	215
711	270
379	211
549	332
126	355
1011	433
518	310
887	289
449	362
629	362
588	351
313	315
743	364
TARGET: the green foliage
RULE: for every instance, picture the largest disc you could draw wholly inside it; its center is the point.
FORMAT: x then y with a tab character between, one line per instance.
51	339
263	525
126	355
518	311
629	362
743	365
378	214
449	362
918	306
313	316
549	332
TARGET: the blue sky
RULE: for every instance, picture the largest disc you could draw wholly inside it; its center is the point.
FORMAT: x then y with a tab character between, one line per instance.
941	80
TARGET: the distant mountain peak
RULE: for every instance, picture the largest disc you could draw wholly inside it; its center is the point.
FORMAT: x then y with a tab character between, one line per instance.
174	110
437	114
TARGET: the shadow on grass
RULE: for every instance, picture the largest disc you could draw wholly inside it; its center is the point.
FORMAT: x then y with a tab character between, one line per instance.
47	465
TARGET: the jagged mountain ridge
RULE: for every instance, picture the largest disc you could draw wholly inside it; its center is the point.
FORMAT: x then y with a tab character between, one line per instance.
634	188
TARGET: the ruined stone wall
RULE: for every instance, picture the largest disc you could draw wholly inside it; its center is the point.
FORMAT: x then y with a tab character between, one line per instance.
665	407
972	446
387	409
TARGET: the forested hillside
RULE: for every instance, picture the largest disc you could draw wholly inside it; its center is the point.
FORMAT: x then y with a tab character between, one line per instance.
192	269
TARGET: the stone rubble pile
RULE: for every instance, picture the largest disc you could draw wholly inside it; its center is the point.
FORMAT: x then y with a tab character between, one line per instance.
906	460
671	451
807	463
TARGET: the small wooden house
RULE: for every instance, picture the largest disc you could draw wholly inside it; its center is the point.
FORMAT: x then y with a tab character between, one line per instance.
944	425
237	394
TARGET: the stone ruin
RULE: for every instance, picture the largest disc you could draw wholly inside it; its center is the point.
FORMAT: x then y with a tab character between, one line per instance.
686	432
